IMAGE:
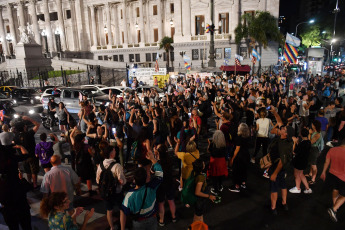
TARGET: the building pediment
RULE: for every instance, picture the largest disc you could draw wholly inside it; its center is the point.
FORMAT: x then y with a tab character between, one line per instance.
199	4
223	3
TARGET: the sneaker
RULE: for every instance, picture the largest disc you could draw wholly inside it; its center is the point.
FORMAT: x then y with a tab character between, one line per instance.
252	160
285	207
308	191
243	186
266	175
213	191
332	214
274	212
174	220
161	224
295	190
234	189
221	188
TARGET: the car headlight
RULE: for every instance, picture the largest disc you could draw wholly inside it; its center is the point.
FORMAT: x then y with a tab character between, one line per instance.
31	111
14	102
37	97
16	116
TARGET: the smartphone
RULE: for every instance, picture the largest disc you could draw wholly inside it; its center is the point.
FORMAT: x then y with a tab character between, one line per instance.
189	114
268	108
114	131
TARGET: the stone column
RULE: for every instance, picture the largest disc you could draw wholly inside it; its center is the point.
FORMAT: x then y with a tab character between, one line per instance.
48	26
117	31
110	34
187	18
149	29
131	24
3	34
35	27
177	17
93	24
79	6
125	27
141	18
159	21
61	25
12	28
74	34
20	12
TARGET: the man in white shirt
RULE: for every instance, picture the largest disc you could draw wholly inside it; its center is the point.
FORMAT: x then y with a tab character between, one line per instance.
60	179
6	137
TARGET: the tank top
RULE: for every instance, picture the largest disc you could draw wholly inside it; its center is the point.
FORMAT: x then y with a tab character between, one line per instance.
264	125
317	143
62	116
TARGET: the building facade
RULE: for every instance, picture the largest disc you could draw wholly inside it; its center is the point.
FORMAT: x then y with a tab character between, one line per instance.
129	31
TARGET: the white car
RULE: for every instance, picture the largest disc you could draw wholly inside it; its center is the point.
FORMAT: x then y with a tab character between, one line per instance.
98	86
118	90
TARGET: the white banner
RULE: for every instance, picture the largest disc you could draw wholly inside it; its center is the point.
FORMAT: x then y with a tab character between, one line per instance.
145	74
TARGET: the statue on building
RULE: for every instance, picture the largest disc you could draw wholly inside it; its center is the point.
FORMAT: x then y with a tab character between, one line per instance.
27	35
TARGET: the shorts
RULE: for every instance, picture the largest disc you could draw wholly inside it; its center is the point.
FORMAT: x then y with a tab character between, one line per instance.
280	182
314	154
63	122
165	192
336	184
200	206
49	165
115	201
31	165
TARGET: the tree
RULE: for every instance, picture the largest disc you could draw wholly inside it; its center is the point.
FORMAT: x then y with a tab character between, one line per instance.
165	44
260	28
313	37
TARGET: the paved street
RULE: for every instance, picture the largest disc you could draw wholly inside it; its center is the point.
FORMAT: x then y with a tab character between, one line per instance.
249	210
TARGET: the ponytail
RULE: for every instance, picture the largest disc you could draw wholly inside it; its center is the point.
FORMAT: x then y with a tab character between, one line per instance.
49	203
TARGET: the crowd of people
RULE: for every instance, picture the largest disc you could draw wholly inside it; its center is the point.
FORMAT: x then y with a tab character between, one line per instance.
256	119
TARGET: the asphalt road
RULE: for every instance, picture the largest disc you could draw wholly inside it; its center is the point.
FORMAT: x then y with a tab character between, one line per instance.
247	210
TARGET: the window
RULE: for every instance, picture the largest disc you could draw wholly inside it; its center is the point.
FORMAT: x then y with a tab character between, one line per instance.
203	55
76	94
105	58
195	54
53	16
148	57
164	56
100	58
218	53
115	57
68	14
121	14
155	35
121	57
171	8
40	17
154	9
154	56
138	36
244	52
172	57
137	57
199	24
7	29
138	12
123	37
67	94
223	23
172	31
131	58
251	12
227	53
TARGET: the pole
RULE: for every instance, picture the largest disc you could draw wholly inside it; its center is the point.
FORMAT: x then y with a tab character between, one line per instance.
212	62
63	80
88	74
113	76
235	68
335	11
127	74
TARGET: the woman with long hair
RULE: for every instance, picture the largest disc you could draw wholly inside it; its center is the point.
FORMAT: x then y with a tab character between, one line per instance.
240	159
218	166
63	116
166	190
53	207
84	166
315	138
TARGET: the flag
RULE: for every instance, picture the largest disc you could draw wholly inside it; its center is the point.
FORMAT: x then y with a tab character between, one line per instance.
207	28
256	55
226	61
186	60
238	59
292	40
290	53
253	59
156	65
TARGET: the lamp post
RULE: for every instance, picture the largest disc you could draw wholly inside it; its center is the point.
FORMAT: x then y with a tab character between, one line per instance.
9	40
310	22
332	41
211	61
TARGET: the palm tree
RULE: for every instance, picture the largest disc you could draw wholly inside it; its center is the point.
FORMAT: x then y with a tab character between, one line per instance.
165	44
260	28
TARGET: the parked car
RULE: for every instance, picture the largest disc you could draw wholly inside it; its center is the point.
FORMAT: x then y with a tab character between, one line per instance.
49	92
26	95
7	90
71	97
98	86
118	90
4	99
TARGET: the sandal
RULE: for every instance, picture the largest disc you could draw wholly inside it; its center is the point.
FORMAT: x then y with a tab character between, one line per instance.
162	224
307	176
311	182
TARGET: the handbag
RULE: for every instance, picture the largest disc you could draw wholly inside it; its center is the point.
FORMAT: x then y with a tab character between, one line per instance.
266	161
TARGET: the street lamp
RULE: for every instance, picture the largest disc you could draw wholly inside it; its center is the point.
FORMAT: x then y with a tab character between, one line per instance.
310	22
105	29
57	40
136	25
44	35
9	40
171	22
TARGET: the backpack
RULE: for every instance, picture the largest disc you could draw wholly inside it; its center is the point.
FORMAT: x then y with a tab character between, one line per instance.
108	183
135	152
163	128
188	191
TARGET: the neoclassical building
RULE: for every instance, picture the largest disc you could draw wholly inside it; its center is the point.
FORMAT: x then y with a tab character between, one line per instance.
129	31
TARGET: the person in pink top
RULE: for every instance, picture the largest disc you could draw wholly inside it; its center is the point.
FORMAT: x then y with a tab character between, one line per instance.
336	177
